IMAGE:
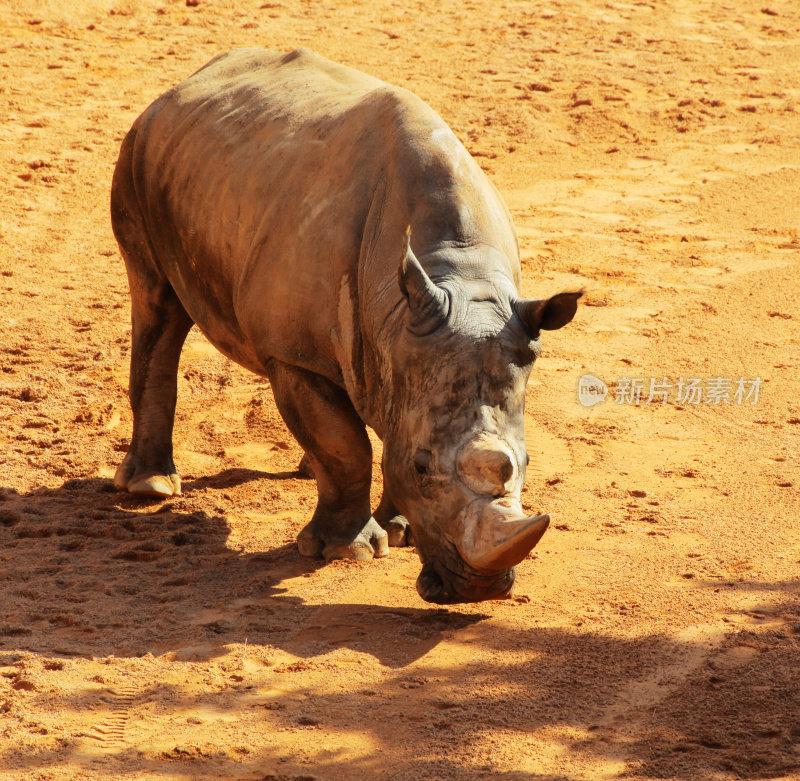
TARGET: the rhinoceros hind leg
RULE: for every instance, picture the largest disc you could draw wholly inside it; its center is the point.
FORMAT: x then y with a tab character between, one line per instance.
160	325
395	524
338	451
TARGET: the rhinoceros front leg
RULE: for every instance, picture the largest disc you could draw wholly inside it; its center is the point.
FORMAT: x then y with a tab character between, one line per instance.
322	419
160	325
386	514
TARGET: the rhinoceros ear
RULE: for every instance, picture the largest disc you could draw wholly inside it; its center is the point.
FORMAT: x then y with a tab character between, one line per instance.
428	304
549	313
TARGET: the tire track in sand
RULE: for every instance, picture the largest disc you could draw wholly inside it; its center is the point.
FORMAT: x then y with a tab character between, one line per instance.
110	733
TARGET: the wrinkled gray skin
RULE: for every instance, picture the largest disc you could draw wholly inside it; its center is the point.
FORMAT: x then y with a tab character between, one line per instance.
267	199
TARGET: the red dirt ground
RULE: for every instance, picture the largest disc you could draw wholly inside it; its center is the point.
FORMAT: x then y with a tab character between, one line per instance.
650	152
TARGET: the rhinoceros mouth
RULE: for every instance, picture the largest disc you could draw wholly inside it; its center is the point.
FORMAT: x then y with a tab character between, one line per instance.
439	584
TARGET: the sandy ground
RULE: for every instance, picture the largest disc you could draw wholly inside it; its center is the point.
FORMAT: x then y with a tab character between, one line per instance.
650	152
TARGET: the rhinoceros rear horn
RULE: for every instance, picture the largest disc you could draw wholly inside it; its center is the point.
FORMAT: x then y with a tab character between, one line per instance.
548	313
428	304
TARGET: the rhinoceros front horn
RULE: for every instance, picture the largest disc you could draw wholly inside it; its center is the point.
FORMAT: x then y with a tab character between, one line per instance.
428	304
498	536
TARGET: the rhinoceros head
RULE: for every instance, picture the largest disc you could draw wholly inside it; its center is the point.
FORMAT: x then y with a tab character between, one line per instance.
454	457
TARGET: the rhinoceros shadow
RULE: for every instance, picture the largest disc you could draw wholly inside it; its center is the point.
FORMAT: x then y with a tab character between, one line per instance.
91	572
230	478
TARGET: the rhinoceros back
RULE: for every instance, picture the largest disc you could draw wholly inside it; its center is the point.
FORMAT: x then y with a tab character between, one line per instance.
256	177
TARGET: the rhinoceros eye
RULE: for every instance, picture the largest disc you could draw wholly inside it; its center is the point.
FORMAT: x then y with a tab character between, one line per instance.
422	461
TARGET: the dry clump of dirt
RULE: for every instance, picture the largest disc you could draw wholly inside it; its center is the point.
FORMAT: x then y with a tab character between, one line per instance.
649	153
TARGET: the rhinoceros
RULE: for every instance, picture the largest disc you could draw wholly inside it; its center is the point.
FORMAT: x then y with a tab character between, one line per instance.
327	230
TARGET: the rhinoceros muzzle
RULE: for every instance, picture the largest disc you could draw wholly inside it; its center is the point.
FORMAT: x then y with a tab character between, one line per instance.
493	535
481	566
441	585
496	533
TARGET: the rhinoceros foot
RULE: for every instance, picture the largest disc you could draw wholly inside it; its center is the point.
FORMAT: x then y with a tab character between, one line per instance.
135	478
395	524
316	541
399	531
